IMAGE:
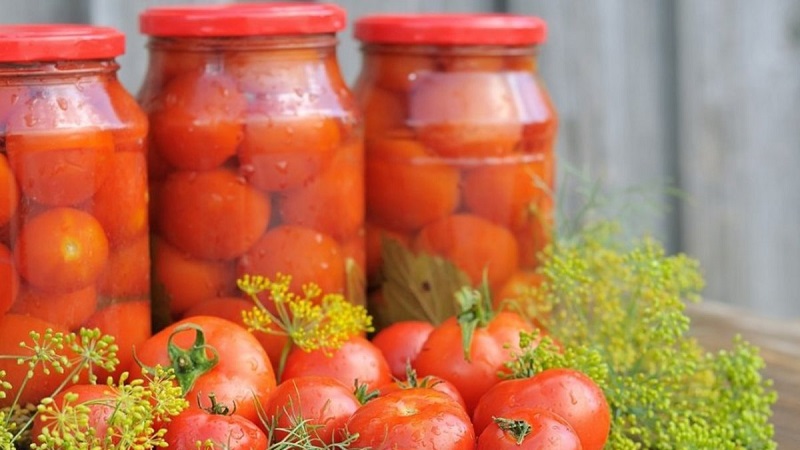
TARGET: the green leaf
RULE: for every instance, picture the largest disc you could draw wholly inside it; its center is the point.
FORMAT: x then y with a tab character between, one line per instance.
416	287
356	283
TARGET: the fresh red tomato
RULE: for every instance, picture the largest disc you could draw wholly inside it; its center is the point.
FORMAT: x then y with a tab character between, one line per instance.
325	402
242	374
412	419
565	392
99	398
428	382
358	360
401	342
215	424
529	429
491	347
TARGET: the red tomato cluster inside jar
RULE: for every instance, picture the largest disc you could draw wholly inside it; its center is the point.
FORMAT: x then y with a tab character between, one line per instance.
256	155
459	142
74	241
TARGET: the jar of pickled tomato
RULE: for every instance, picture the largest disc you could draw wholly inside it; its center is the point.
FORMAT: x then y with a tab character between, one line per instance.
74	240
256	154
459	136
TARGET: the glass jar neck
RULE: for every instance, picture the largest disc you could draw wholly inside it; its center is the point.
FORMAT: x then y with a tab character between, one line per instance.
243	43
46	72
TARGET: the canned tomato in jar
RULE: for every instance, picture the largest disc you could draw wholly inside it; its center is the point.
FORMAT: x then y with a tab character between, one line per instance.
256	152
74	241
459	136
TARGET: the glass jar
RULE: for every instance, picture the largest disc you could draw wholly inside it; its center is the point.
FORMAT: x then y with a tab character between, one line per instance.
74	241
256	154
459	136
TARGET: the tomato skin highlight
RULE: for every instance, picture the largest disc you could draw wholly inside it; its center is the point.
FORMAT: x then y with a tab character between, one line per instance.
325	402
193	425
565	392
99	413
443	355
357	360
401	342
412	419
243	372
548	432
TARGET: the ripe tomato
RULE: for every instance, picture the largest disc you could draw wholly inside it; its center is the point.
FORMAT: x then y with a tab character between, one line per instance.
100	400
325	402
14	329
401	342
529	429
127	273
505	193
406	186
212	214
474	244
196	124
129	323
565	392
9	279
306	254
358	360
466	114
61	167
285	153
412	419
492	346
398	71
178	274
384	113
333	201
120	205
428	382
231	308
9	192
68	309
213	424
242	375
61	249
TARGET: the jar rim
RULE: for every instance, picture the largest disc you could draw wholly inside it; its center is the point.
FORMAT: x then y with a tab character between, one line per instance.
59	42
242	19
451	29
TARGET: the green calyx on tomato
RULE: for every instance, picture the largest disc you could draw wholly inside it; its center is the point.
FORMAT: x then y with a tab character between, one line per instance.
219	409
475	312
189	364
517	428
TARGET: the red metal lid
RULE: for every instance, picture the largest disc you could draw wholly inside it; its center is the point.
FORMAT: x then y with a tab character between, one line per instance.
452	29
59	42
242	19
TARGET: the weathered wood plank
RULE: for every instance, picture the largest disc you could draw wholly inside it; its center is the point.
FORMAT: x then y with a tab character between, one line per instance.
739	146
716	324
608	67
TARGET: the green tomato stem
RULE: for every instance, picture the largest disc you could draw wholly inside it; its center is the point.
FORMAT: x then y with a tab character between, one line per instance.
189	364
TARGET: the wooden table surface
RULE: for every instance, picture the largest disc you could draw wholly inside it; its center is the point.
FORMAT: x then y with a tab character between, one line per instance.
715	325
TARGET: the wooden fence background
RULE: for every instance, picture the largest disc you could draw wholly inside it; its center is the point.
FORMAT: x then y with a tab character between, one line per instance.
702	96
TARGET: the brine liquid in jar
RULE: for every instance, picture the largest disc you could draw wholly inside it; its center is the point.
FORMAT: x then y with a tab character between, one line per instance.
74	240
256	154
459	137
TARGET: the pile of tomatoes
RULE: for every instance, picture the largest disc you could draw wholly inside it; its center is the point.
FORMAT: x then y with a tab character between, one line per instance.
411	386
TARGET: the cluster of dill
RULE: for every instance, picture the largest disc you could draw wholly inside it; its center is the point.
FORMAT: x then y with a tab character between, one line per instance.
617	309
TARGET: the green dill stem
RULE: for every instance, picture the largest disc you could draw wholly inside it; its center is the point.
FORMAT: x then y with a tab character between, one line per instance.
287	348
